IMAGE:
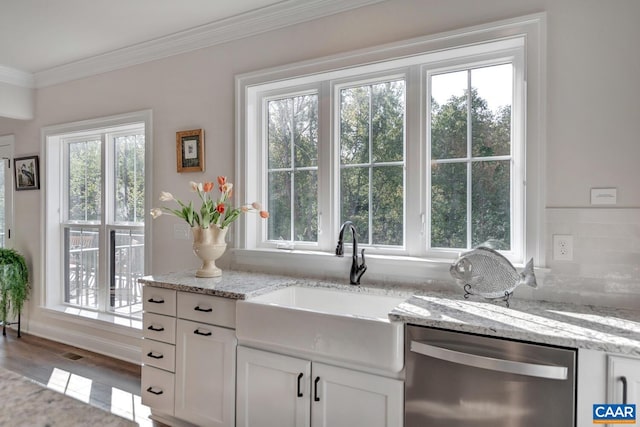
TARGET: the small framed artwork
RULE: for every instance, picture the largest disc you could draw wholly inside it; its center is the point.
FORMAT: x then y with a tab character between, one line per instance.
190	150
27	173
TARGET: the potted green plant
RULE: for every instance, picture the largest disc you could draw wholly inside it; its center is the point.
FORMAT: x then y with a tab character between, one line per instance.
14	285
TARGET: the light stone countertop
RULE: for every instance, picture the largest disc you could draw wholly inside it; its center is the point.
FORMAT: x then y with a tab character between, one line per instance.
554	323
560	324
26	403
232	284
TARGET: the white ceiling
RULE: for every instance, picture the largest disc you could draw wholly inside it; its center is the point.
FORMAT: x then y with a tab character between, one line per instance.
44	42
36	35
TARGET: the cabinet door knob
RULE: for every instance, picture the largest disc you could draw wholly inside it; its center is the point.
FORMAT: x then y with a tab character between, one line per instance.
156	301
157	393
204	310
153	328
316	398
204	334
623	380
299	381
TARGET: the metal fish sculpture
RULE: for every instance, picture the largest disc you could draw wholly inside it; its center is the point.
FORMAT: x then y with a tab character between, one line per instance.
485	272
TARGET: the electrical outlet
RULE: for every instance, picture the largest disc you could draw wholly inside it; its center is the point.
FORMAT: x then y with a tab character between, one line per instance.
181	231
562	247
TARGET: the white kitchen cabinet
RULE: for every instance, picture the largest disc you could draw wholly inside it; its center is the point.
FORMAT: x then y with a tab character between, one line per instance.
600	380
346	398
277	390
623	380
158	349
205	366
273	390
189	354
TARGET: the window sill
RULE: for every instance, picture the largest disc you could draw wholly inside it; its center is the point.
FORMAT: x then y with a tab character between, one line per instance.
382	269
104	321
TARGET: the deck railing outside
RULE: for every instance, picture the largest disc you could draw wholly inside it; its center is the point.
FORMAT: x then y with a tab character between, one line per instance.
126	265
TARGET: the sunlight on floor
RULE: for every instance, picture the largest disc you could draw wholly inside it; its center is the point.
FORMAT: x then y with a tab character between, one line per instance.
129	406
72	385
123	403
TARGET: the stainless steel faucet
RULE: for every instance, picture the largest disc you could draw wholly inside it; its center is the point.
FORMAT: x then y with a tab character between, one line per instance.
357	269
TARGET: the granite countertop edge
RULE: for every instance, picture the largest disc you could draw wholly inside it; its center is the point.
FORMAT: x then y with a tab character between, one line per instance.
531	337
553	323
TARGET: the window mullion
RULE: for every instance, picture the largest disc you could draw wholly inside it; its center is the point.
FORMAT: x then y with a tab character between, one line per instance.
292	202
469	155
370	222
328	190
102	279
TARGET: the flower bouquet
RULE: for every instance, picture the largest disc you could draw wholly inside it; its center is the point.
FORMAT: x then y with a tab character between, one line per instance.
210	223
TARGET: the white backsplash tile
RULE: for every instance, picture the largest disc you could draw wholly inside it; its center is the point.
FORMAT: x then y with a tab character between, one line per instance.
606	257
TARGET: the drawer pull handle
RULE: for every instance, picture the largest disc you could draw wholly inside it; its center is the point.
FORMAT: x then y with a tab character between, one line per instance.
157	393
153	328
156	301
204	334
204	310
315	390
299	389
155	356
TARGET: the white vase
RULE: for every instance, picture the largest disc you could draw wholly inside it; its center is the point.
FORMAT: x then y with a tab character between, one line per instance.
209	245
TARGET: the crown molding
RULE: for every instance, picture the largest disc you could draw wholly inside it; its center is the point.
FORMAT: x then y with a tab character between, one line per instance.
16	77
279	15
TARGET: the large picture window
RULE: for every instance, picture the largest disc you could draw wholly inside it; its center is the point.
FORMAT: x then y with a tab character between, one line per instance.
96	216
425	152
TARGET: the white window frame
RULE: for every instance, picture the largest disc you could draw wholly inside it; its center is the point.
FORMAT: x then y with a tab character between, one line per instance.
336	86
264	99
521	40
7	144
517	155
54	140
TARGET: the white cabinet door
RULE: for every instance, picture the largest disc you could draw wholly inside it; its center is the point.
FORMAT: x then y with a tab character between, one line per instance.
273	390
624	380
205	367
346	398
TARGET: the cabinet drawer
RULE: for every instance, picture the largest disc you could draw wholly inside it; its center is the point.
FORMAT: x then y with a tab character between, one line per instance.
159	300
159	327
159	354
207	309
157	389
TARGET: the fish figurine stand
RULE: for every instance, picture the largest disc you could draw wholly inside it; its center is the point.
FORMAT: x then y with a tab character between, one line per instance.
487	273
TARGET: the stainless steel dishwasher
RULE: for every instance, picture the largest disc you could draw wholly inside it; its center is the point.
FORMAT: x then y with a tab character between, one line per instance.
456	379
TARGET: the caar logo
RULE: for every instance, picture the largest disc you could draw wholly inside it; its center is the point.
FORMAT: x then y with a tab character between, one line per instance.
614	414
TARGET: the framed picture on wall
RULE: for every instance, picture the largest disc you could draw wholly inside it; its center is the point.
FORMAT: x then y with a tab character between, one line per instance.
27	173
190	150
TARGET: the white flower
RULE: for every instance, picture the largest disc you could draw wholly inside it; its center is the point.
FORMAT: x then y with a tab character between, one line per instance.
226	188
195	186
165	196
156	212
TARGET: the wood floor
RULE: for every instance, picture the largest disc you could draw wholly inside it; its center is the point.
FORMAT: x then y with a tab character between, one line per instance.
107	383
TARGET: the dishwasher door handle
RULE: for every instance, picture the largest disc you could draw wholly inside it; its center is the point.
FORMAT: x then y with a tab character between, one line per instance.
501	365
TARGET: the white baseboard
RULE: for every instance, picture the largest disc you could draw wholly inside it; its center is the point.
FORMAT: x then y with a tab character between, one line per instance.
95	343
